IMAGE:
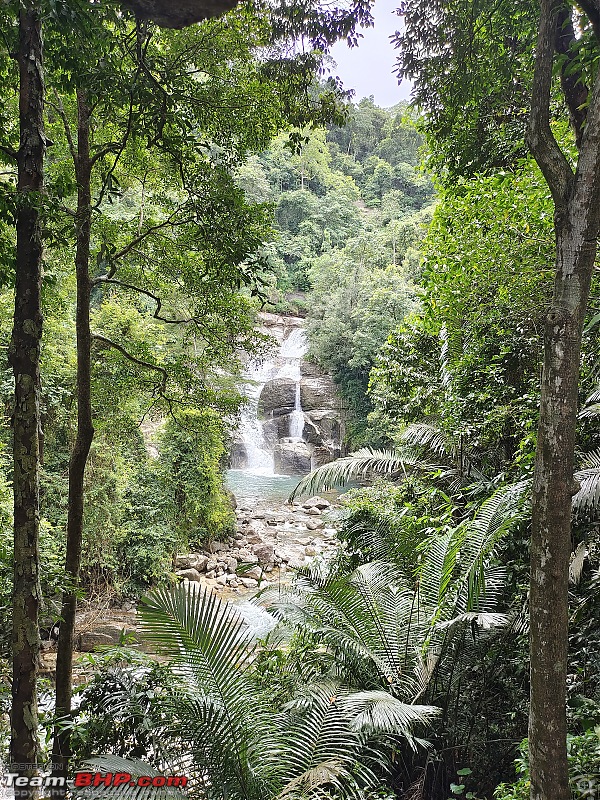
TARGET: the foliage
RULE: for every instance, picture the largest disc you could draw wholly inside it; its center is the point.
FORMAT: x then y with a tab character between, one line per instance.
192	446
470	361
583	754
323	741
117	711
470	65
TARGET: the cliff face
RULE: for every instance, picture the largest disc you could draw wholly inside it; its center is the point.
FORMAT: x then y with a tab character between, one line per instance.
297	411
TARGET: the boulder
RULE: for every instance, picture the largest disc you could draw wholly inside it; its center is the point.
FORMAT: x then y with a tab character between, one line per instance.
216	547
189	574
264	553
103	635
88	642
249	583
317	502
279	393
183	562
311	433
325	455
292	458
308	369
254	572
198	561
327	423
318	393
232	564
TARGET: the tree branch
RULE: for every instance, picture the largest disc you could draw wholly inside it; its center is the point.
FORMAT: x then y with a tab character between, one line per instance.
146	364
12	154
106	149
591	8
60	110
571	79
587	178
134	242
149	294
542	144
118	155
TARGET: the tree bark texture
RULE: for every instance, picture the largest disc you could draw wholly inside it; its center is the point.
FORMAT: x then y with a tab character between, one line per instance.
24	358
81	447
577	219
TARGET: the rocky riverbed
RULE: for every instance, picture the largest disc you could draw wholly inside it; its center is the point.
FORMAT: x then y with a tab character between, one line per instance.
271	539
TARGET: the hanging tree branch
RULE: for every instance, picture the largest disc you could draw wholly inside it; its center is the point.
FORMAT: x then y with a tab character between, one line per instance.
146	364
152	296
544	147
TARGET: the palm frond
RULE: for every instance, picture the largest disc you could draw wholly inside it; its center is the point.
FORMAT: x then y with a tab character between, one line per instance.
591	406
577	562
128	770
217	710
587	499
360	464
321	750
427	437
380	712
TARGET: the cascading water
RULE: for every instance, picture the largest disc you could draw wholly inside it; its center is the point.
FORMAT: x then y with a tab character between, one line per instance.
297	416
284	364
258	458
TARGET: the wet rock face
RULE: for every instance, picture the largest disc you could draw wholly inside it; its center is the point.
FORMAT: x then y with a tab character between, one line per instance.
318	393
292	458
178	13
278	396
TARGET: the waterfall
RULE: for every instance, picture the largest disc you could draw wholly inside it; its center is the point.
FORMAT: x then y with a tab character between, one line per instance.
284	364
297	417
259	459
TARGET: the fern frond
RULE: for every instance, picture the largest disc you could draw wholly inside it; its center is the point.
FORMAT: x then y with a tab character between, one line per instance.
587	499
360	464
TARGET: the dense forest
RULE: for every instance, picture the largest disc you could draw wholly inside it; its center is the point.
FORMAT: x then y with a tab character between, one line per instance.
164	184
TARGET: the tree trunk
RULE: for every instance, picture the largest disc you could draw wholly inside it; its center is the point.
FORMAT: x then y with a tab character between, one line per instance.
553	489
576	196
81	448
24	358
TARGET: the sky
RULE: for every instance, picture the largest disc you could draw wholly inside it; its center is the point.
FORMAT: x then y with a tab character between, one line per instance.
368	68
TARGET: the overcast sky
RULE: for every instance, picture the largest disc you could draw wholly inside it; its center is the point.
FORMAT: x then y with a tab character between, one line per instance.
368	68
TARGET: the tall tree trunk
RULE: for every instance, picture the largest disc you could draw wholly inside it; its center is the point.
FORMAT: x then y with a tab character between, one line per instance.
553	489
81	448
576	196
24	358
